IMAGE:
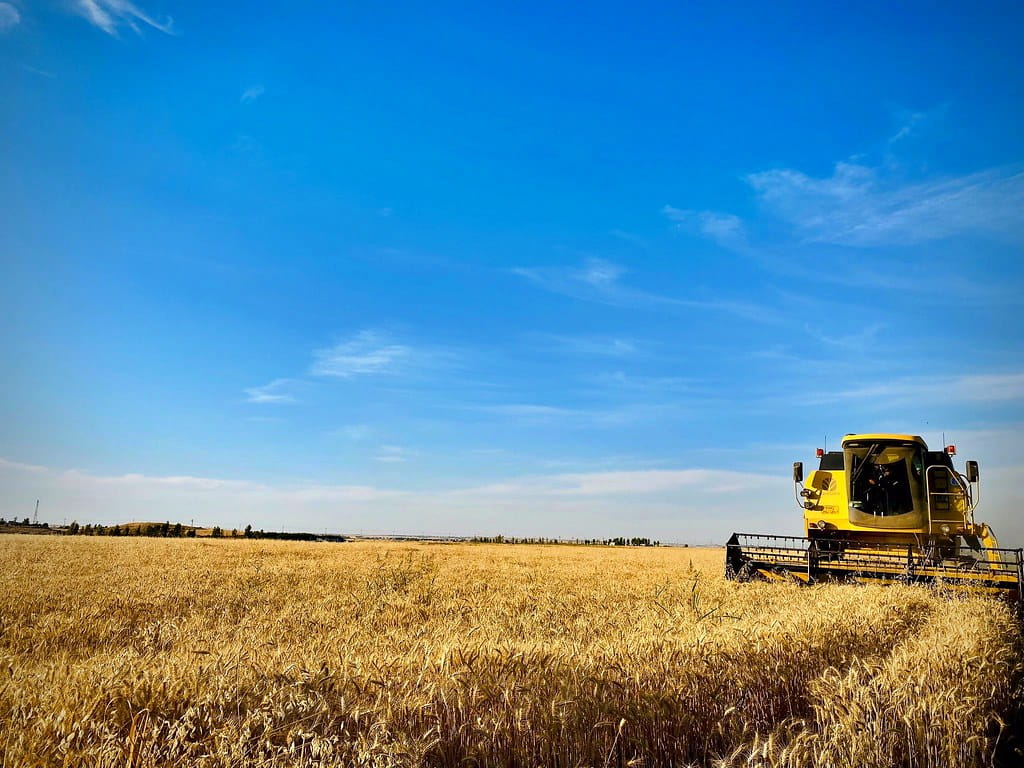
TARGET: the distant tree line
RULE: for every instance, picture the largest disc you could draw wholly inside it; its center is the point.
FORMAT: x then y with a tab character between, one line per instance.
23	523
178	531
618	541
279	535
158	530
286	536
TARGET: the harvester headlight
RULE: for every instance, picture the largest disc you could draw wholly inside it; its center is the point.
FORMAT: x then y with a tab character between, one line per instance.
808	505
821	525
945	529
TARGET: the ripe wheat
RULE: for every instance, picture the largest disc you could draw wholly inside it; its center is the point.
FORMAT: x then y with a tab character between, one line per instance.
133	652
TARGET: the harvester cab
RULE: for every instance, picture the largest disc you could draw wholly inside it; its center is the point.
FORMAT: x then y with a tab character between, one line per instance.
884	508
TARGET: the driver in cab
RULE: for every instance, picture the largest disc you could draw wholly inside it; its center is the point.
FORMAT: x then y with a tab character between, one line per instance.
880	485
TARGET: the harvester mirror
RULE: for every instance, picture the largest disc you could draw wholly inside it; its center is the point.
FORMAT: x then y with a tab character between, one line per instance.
972	471
798	471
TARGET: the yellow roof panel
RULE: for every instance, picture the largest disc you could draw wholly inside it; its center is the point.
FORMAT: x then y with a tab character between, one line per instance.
880	436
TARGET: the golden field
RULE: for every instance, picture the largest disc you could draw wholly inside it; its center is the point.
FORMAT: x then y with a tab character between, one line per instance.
162	652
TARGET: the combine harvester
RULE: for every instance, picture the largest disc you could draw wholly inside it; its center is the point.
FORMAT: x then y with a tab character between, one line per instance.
884	509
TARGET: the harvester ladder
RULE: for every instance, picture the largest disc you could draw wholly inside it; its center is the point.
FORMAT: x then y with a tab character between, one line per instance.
941	491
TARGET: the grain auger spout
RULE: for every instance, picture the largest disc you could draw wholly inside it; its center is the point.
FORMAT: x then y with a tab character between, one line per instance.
884	509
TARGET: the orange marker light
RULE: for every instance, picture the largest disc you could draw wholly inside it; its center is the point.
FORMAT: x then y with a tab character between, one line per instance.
819	452
951	450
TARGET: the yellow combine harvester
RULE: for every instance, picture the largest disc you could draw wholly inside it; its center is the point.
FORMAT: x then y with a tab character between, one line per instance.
884	508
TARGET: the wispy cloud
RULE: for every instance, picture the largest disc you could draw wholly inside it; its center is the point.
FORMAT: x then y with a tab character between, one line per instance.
860	205
583	418
908	123
354	432
601	274
391	454
528	410
991	387
631	382
276	392
593	346
695	504
110	15
913	125
596	280
41	72
244	144
857	341
629	237
250	94
617	463
366	353
641	502
724	228
9	17
647	481
599	281
17	465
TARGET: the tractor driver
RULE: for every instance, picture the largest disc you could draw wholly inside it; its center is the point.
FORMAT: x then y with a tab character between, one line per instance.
879	485
888	492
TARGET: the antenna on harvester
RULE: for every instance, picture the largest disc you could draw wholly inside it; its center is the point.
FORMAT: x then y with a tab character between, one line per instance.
35	515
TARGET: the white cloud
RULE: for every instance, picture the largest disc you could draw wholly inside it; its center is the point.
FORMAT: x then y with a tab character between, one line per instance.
683	505
528	410
993	387
354	432
613	347
17	465
632	482
250	94
724	228
599	281
629	237
9	17
85	496
40	72
244	144
857	341
179	482
908	124
109	15
599	273
915	125
597	346
625	381
584	418
276	392
366	353
864	206
696	504
391	454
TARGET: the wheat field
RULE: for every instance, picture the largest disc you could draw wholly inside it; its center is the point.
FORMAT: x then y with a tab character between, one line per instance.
143	652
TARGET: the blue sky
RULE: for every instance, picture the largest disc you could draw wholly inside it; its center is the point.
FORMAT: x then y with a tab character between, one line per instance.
454	268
